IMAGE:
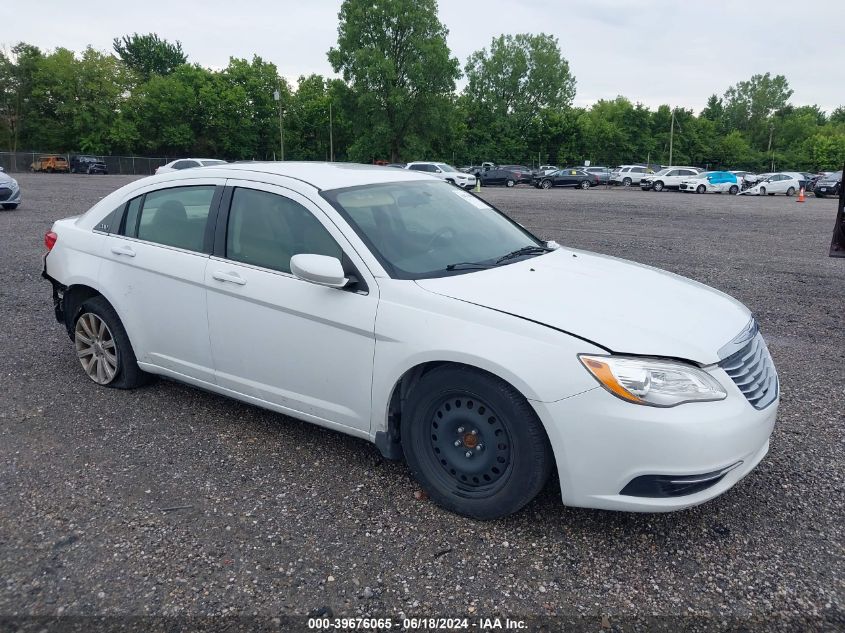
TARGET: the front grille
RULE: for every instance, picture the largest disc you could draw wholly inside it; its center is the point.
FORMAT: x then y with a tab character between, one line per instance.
753	371
5	193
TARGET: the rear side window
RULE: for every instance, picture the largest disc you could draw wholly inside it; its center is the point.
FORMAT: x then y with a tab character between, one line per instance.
266	230
174	217
418	167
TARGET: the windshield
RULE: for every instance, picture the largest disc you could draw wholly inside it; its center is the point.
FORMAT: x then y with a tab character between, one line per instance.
445	167
416	229
663	172
837	175
206	163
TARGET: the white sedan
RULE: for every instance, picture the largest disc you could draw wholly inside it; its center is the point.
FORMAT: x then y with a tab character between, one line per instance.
787	183
712	182
188	163
394	307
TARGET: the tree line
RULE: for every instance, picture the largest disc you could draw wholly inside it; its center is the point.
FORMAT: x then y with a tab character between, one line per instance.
394	99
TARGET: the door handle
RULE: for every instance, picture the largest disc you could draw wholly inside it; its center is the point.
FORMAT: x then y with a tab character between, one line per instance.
232	278
123	250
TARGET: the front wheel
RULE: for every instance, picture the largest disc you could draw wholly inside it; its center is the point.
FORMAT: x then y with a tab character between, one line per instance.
657	186
790	192
733	190
626	182
510	183
10	207
762	191
585	184
474	443
103	347
700	189
546	184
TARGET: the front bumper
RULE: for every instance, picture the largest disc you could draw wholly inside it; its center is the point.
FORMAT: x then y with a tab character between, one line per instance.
602	444
9	195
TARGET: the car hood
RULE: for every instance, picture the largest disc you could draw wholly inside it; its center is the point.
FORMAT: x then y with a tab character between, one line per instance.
625	307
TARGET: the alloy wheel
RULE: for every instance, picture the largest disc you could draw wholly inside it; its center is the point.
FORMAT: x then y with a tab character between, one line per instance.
96	348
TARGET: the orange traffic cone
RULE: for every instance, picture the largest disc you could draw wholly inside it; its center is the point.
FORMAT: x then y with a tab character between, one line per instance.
800	195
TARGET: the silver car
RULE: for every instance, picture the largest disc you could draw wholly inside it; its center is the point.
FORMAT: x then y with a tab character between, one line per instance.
10	191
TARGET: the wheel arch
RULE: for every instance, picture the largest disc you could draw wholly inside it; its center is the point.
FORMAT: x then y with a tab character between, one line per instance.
387	435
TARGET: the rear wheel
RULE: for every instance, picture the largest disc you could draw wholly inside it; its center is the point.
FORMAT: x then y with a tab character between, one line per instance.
585	184
657	186
510	182
790	192
474	443
103	347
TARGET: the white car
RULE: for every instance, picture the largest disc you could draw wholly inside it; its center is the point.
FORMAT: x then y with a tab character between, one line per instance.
10	192
545	170
668	178
627	175
394	307
712	182
188	163
444	172
787	183
748	179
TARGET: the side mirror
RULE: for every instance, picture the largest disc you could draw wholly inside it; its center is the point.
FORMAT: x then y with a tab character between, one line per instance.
438	171
319	269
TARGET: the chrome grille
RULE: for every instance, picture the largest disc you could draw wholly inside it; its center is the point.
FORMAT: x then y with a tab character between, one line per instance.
753	371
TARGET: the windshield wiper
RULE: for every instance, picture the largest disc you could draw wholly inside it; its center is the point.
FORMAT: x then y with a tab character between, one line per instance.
468	266
525	250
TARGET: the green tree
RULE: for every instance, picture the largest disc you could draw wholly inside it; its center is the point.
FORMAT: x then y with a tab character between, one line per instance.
149	55
393	54
17	72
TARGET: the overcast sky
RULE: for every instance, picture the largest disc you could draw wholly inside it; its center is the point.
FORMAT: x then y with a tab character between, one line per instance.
650	51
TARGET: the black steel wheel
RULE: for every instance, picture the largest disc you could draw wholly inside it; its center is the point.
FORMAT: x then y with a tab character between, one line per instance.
474	443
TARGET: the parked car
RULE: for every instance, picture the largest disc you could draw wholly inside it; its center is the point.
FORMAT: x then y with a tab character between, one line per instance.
828	185
10	191
712	182
50	163
475	170
668	178
809	180
787	183
603	173
545	170
390	306
524	175
498	176
747	179
396	165
569	177
627	175
444	172
188	163
87	165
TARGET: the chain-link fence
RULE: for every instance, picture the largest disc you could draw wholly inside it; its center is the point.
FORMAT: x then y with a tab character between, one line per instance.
124	165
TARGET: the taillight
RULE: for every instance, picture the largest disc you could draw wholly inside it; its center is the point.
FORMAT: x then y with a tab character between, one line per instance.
50	240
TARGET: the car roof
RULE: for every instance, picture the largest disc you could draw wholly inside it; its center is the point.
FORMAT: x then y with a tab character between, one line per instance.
319	175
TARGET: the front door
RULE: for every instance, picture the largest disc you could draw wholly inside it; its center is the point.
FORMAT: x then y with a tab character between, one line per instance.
305	348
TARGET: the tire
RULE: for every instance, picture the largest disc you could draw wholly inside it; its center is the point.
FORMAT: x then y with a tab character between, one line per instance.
700	189
658	185
585	184
790	192
10	207
94	313
733	190
510	456
510	183
626	182
546	184
819	195
762	191
73	170
49	170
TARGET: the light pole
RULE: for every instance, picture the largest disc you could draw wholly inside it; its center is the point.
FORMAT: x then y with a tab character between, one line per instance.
331	135
671	137
277	95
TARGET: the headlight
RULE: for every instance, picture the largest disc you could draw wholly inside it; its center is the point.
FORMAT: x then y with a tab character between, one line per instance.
658	383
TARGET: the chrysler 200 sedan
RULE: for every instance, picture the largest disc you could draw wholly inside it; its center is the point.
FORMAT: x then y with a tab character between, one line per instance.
398	308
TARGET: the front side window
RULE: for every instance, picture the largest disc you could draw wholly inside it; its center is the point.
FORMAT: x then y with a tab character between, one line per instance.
421	229
174	217
266	230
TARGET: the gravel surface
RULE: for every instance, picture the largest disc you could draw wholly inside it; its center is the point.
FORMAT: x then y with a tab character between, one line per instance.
172	501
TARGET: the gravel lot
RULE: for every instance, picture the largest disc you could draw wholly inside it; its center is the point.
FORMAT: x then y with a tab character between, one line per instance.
286	518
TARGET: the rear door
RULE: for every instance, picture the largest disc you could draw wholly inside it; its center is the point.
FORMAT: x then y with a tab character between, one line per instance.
154	263
305	348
